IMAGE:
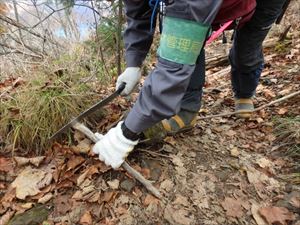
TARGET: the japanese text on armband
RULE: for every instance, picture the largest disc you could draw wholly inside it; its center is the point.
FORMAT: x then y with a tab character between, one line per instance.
181	40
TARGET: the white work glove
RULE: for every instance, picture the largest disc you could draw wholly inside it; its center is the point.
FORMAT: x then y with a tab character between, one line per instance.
131	76
114	147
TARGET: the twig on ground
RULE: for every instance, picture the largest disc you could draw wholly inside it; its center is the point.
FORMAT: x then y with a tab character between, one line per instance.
82	128
154	153
255	110
5	92
275	148
284	33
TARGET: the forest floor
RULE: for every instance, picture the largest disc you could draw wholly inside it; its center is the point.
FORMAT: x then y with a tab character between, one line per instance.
225	171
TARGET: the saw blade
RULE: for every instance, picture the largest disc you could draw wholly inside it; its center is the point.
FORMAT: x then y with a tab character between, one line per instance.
89	111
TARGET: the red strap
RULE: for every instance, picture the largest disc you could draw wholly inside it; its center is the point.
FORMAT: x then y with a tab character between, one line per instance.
217	33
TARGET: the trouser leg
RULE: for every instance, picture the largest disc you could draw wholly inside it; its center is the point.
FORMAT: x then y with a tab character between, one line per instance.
246	56
192	98
160	98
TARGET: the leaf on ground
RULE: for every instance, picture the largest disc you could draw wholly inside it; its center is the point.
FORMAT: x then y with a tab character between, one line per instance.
262	183
230	133
121	210
259	120
285	91
87	190
5	165
36	161
257	217
108	196
8	197
64	184
2	185
22	161
268	93
177	161
73	217
87	186
233	207
276	215
30	181
45	198
61	204
295	201
199	193
6	217
234	152
282	111
122	200
92	197
264	163
83	147
114	184
102	168
150	199
27	205
86	219
181	200
180	216
87	174
74	161
77	195
254	176
167	185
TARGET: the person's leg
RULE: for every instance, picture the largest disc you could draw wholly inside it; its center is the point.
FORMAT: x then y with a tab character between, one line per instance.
192	98
246	56
191	101
189	106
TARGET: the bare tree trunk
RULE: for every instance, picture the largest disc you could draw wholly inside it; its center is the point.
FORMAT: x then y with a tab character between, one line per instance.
73	28
17	19
61	20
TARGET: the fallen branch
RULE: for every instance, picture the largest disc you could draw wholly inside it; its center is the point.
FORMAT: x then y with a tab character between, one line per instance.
18	51
83	129
227	69
255	110
222	59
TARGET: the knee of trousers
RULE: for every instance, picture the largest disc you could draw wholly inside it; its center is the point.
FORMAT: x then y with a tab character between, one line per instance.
245	61
165	87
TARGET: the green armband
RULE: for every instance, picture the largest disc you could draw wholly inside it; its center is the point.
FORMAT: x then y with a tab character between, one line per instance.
181	40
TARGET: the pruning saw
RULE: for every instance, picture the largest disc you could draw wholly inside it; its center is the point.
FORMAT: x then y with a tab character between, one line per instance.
89	111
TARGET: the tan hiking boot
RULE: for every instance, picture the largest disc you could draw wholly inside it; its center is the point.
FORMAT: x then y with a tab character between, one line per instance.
244	107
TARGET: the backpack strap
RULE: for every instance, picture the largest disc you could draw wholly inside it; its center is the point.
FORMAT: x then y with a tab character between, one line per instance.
217	33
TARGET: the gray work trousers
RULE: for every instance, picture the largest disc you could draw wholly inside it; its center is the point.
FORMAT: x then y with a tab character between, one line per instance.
172	86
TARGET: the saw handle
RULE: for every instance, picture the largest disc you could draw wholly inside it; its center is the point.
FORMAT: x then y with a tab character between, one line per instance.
121	87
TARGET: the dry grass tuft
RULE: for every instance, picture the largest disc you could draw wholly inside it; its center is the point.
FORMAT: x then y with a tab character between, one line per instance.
48	101
287	131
